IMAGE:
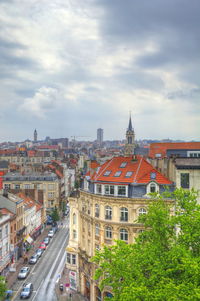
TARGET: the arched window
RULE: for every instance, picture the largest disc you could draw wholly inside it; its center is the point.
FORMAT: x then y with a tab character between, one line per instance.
129	140
74	219
97	229
108	212
142	211
152	187
124	234
123	214
108	232
97	210
74	234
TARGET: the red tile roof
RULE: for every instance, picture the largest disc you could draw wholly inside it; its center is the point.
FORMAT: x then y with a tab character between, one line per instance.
94	164
139	171
162	147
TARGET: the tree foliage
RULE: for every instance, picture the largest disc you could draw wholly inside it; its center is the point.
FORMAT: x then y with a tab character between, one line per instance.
55	215
3	287
164	262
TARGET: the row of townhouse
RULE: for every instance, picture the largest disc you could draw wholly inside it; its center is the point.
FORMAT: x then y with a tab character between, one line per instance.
21	221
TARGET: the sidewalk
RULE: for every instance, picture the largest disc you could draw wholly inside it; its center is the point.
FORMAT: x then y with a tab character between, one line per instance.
65	295
12	276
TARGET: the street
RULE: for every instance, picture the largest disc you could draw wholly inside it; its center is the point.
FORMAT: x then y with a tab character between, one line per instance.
47	270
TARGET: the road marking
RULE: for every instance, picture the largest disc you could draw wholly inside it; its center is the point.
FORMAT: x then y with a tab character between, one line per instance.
38	289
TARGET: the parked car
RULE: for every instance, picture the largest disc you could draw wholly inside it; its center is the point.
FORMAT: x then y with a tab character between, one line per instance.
42	246
46	240
26	291
39	252
33	259
23	272
51	233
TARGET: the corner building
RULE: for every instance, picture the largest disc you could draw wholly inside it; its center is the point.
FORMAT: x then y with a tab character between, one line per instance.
106	209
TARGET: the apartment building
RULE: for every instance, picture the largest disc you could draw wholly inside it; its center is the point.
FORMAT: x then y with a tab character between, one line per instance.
48	183
4	242
106	209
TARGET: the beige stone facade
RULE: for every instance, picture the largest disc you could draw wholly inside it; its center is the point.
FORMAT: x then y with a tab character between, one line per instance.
184	172
95	221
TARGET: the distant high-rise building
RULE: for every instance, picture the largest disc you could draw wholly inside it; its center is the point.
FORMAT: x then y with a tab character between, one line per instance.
100	136
35	136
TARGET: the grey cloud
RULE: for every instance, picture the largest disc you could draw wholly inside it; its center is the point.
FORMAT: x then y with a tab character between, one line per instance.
185	94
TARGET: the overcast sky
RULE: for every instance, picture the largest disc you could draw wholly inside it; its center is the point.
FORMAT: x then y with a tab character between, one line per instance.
68	67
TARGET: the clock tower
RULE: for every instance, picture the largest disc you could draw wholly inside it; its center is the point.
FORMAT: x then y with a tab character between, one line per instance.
130	140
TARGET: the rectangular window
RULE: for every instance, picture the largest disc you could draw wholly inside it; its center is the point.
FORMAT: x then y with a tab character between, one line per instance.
6	230
51	187
68	258
0	233
99	190
185	180
27	186
73	259
17	186
109	189
7	186
121	190
112	190
50	195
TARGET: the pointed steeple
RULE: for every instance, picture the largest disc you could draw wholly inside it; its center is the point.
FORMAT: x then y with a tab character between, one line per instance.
130	128
130	139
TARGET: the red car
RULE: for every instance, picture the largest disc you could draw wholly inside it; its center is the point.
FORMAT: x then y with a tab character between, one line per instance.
42	246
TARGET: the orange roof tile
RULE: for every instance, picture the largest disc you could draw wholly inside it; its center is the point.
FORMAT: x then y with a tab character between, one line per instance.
162	147
128	170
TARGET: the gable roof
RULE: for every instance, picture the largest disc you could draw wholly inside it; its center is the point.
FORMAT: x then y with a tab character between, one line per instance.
127	170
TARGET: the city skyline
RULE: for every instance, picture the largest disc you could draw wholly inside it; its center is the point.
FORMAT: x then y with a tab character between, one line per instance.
68	68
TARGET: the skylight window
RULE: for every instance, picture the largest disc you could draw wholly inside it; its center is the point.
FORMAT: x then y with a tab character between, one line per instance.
128	174
118	173
123	164
107	173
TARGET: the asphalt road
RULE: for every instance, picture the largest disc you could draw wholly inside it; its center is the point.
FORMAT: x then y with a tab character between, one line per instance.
46	271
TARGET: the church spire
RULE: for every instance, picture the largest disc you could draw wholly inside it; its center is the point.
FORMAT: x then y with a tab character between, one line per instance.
130	140
130	128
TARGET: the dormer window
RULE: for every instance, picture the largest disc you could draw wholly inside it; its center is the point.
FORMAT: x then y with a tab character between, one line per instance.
107	173
123	164
128	174
153	175
118	173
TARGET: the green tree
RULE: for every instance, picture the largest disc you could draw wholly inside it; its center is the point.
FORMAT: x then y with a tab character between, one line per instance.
55	215
3	287
164	262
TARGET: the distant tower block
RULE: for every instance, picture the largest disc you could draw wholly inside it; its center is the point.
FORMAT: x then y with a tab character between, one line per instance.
35	136
100	136
130	140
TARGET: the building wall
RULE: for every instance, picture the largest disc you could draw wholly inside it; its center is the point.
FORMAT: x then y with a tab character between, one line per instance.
50	189
84	237
4	242
194	178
